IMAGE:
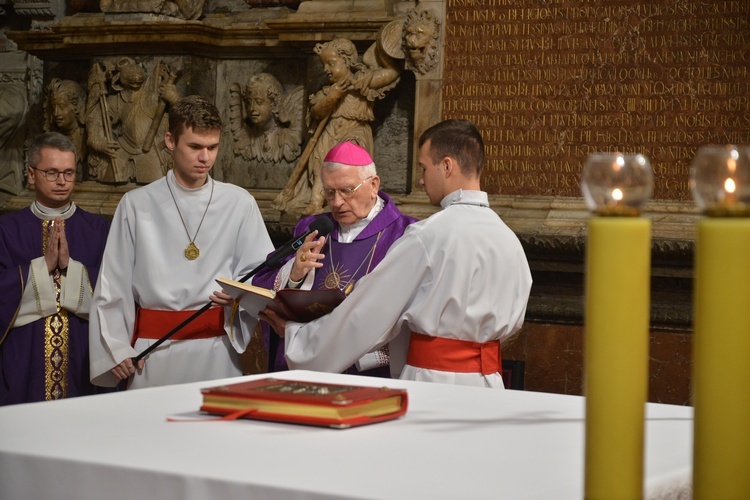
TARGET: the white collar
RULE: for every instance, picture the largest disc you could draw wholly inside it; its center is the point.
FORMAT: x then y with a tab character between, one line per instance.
466	197
46	213
347	234
172	180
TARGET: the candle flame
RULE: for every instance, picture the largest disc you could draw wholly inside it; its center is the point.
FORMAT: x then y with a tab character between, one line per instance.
729	185
617	194
731	165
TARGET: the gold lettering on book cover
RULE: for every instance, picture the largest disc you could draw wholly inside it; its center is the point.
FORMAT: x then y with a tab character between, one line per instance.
550	82
306	388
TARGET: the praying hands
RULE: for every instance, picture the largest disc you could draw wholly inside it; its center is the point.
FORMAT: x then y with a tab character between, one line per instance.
57	254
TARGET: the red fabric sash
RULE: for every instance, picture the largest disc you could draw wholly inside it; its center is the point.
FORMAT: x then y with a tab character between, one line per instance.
154	324
453	355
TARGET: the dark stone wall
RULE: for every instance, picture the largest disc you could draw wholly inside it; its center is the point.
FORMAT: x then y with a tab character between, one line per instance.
553	358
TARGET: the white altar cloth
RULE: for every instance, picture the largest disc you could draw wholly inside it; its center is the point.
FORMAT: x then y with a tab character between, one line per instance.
453	443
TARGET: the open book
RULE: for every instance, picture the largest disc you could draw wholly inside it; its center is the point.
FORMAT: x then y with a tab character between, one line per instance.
295	305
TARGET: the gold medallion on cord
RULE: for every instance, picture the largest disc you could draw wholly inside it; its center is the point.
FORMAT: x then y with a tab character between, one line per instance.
192	252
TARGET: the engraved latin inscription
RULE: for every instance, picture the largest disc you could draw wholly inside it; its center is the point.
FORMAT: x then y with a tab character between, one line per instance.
550	81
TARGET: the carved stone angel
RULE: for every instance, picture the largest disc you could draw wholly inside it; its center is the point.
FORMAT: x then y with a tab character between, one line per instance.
341	111
266	123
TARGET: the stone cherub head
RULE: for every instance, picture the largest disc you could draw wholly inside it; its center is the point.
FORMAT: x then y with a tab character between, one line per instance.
340	59
263	94
266	122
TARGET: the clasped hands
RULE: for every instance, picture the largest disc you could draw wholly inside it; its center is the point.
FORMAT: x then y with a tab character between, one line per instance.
57	255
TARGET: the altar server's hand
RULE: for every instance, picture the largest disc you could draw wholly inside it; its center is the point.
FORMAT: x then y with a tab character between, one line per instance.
126	369
221	299
307	256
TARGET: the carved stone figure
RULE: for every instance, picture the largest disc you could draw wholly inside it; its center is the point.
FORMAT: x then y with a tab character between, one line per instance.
13	107
340	112
126	120
420	40
65	112
182	9
266	123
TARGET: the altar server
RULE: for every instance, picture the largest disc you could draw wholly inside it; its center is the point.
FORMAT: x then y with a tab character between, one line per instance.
448	291
169	241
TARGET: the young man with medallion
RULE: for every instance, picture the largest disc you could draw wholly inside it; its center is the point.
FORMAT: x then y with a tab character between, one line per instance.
169	241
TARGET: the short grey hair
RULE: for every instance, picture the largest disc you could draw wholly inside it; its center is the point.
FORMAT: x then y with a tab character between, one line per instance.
52	140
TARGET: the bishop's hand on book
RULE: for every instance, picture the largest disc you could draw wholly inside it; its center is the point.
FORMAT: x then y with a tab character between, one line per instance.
288	304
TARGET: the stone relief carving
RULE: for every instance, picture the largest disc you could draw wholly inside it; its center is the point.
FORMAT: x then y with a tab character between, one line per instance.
65	112
35	8
110	136
19	81
181	9
13	106
421	31
126	120
266	122
340	111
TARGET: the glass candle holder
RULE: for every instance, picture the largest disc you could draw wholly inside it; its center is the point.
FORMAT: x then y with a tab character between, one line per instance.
616	184
720	180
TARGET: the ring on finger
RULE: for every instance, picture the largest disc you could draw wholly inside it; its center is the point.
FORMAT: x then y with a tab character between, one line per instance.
303	257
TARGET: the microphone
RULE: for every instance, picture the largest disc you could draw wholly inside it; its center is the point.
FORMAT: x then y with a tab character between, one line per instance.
322	224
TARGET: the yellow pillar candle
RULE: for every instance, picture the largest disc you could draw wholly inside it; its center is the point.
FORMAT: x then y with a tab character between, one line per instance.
721	355
618	271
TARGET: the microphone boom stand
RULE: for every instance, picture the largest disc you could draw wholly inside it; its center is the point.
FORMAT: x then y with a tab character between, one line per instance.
192	317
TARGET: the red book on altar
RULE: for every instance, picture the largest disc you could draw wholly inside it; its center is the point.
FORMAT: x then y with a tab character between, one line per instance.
310	403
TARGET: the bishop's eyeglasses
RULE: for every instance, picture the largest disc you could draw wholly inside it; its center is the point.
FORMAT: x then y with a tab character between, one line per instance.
53	175
345	193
